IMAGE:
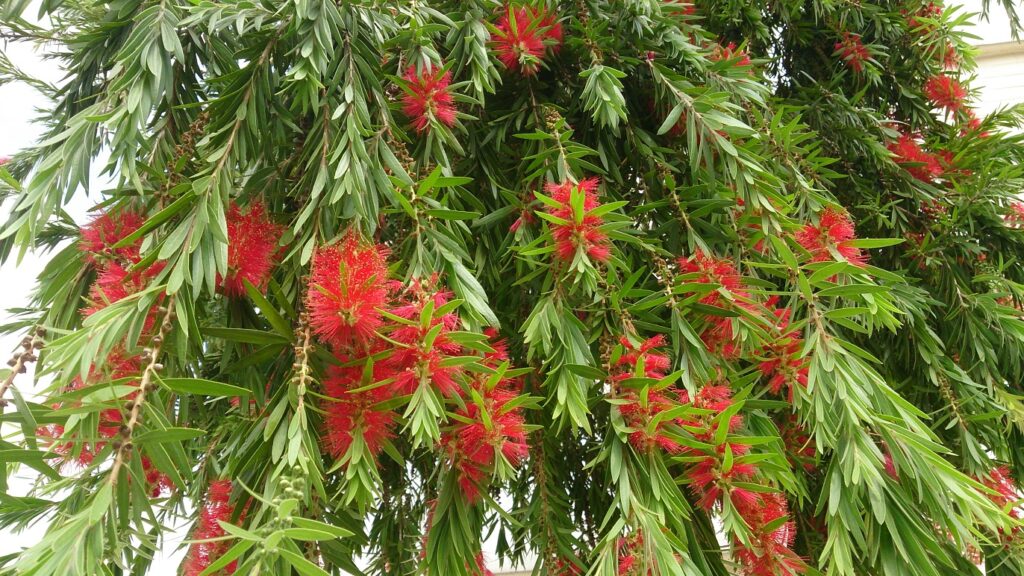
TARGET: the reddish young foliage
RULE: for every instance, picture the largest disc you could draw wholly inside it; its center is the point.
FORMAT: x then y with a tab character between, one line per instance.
523	36
945	92
252	248
579	231
428	98
348	286
217	508
853	52
834	232
351	413
108	228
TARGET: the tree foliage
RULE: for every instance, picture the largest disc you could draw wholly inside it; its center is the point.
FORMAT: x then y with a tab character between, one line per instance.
624	287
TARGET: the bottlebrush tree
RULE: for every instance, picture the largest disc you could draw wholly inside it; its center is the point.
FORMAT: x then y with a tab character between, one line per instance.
608	288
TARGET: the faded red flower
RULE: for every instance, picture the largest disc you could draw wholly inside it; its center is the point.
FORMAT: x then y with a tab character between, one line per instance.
853	52
580	231
414	362
912	158
217	508
428	98
351	413
523	36
730	53
108	228
945	92
347	288
252	248
833	235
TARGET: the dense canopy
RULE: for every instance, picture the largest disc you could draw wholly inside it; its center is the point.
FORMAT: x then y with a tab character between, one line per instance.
604	287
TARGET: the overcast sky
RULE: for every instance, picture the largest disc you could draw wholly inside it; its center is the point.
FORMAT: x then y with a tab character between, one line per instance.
17	109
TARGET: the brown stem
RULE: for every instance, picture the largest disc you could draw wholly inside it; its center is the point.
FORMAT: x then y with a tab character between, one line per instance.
152	356
29	344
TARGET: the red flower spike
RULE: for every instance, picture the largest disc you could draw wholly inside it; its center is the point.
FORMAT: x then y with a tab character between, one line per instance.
411	363
945	93
637	413
834	232
1007	491
853	52
712	270
252	248
578	233
349	412
523	37
768	551
473	447
428	98
783	366
348	286
926	168
216	509
107	229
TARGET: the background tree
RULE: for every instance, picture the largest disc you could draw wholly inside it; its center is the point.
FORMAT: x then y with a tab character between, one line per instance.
629	287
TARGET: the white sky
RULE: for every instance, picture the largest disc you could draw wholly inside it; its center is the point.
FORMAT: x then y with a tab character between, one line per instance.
17	108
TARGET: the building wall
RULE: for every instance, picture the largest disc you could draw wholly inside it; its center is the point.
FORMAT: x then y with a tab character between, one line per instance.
1000	75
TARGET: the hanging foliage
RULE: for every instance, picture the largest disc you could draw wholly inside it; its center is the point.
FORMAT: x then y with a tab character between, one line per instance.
610	288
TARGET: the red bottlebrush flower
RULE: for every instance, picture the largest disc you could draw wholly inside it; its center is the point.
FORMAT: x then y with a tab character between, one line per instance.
115	283
348	284
768	550
350	413
930	11
475	443
428	97
834	232
157	482
523	36
580	232
800	447
481	566
252	248
730	53
1015	216
707	477
783	365
412	363
1007	491
950	57
853	52
217	508
945	93
920	164
107	229
717	271
4	160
